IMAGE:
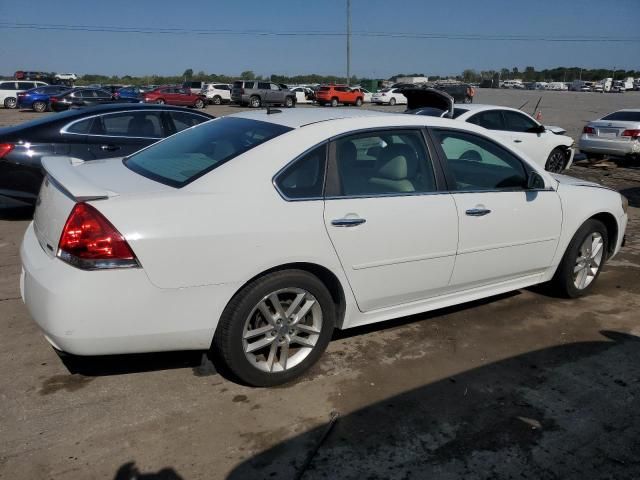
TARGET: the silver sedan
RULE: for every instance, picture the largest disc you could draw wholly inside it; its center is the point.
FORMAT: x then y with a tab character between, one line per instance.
616	134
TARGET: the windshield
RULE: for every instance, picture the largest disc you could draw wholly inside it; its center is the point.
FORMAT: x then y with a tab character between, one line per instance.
624	116
188	155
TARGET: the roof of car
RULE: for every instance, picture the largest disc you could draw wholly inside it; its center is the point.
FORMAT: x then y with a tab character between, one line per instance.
299	117
476	107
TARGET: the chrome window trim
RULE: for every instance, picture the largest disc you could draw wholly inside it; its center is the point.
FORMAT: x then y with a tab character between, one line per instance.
63	130
441	192
274	179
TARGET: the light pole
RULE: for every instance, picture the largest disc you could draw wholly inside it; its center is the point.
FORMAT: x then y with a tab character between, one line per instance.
348	42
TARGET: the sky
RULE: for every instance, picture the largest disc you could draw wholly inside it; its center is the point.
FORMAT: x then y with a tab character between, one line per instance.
123	53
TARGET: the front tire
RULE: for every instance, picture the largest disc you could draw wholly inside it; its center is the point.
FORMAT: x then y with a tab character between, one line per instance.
275	328
556	161
199	103
334	102
39	107
582	261
358	102
160	101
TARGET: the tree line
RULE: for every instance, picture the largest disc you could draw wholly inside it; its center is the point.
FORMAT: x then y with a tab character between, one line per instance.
529	74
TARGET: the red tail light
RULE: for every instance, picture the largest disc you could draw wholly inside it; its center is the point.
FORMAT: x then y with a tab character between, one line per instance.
53	99
589	130
635	133
5	148
90	242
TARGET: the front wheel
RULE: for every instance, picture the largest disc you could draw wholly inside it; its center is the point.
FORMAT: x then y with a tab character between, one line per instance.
582	261
160	101
358	102
288	102
275	328
556	161
334	102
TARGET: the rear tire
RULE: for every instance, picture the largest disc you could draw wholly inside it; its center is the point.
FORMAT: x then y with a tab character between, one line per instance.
252	310
289	103
581	264
254	102
392	102
160	101
39	107
334	102
10	102
217	100
358	102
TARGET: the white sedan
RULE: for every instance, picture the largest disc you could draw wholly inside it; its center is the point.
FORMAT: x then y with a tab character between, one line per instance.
546	145
257	234
389	96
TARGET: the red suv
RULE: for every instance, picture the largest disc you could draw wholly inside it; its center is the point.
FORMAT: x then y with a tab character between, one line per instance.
175	96
335	94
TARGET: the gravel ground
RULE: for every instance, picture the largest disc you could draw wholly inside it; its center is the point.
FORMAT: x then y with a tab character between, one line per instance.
521	385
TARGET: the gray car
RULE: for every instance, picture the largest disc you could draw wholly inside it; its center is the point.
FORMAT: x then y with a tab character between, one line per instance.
616	134
256	93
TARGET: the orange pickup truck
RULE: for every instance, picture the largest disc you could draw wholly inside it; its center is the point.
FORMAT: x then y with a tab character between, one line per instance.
335	94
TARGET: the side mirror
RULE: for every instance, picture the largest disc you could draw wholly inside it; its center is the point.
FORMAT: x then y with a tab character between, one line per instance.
540	129
535	181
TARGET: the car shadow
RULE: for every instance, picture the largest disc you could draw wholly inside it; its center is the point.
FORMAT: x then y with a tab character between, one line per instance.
129	471
568	411
633	195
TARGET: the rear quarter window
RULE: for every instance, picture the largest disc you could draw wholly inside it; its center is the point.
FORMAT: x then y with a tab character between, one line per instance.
186	156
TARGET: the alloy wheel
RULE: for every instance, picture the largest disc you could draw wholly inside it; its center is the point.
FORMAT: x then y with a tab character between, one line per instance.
10	102
282	330
588	261
556	160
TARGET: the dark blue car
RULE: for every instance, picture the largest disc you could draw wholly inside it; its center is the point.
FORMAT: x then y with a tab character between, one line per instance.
130	93
38	98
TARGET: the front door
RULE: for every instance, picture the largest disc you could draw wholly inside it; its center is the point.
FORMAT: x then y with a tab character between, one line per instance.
506	231
394	230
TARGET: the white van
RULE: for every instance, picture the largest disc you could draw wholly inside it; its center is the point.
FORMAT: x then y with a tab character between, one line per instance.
9	90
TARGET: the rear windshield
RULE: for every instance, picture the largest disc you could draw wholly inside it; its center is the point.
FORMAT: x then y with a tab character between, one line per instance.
188	155
459	111
623	116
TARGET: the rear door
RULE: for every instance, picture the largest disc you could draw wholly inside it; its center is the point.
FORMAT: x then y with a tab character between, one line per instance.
394	230
123	133
505	230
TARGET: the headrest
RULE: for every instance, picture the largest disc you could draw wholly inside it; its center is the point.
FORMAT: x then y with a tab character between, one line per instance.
398	162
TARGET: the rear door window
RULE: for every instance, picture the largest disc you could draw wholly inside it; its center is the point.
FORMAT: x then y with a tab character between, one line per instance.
133	124
186	156
490	119
184	120
263	86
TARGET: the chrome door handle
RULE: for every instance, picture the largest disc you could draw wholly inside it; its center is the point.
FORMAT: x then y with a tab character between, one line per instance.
347	222
517	141
478	212
109	148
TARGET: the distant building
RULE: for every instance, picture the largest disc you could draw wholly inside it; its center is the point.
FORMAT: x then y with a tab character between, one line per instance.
412	80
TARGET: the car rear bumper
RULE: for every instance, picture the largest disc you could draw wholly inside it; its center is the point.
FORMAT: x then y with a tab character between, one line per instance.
589	144
115	311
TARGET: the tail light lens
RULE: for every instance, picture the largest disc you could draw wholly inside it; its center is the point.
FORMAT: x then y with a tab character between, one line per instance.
589	130
634	133
53	99
89	241
5	148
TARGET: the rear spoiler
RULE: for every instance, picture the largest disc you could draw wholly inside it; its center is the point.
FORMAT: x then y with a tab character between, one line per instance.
65	173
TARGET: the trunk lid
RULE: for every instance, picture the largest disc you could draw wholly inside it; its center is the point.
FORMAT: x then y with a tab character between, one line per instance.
69	181
428	97
610	128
